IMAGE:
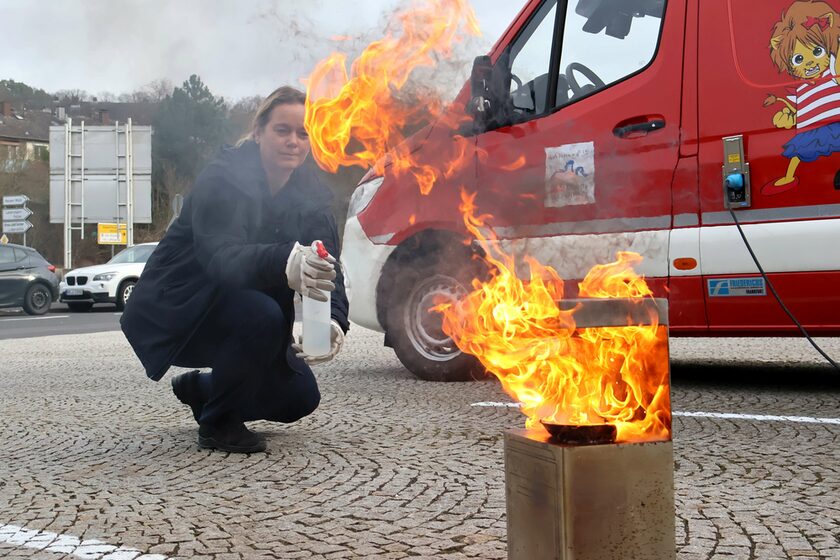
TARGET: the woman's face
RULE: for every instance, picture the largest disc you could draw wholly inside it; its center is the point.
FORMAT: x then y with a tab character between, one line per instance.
283	142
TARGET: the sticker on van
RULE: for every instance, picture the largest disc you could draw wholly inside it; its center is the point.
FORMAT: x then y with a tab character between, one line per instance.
570	175
804	45
730	287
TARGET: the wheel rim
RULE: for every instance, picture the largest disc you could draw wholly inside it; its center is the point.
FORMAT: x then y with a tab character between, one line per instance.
127	292
39	298
424	327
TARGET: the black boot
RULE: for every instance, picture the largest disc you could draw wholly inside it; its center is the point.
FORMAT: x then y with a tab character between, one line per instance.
186	388
231	436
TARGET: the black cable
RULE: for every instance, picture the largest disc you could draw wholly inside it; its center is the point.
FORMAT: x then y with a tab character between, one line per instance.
776	295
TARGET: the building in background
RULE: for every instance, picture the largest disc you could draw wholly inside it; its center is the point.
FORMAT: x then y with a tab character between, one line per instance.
25	131
24	135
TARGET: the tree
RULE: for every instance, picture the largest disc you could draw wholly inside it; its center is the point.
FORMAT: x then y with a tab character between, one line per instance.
153	92
190	126
72	96
20	93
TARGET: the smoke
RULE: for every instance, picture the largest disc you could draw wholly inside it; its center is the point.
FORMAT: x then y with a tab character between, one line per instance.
314	37
239	49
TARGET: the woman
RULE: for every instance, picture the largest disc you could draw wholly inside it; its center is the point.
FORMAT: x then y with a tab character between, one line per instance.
218	291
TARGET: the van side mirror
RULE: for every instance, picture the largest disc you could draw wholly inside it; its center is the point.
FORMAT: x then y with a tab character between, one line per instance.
482	73
490	104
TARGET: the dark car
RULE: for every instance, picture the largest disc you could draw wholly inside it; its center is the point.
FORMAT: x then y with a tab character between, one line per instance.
26	279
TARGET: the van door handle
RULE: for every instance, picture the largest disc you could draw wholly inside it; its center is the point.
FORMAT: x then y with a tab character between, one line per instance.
634	128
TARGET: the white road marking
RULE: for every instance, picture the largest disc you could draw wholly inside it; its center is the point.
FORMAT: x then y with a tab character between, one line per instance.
722	415
761	417
37	318
88	549
497	404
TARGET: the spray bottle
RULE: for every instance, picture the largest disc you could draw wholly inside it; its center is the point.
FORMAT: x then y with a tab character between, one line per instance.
316	317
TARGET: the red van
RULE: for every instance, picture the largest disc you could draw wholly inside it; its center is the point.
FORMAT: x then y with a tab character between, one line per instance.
607	125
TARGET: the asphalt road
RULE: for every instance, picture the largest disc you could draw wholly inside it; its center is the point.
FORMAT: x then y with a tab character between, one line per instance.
14	323
98	462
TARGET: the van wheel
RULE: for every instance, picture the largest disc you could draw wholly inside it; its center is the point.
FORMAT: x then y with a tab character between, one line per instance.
417	334
37	299
79	306
124	292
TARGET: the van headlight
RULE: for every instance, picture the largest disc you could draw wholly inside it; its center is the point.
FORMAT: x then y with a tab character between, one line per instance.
362	196
104	277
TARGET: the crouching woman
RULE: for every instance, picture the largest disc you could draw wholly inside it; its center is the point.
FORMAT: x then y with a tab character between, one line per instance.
218	291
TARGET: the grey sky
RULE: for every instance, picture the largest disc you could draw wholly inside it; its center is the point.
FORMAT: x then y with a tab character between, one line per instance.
239	47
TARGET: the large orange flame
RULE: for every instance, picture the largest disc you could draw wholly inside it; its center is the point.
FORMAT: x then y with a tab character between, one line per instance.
561	373
356	119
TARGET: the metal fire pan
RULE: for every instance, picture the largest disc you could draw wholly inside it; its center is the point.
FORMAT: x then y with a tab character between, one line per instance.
589	434
616	312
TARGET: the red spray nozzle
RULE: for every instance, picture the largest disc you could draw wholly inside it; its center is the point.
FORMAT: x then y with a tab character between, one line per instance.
318	247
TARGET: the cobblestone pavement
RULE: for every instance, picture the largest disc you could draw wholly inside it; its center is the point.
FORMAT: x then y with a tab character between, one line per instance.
388	466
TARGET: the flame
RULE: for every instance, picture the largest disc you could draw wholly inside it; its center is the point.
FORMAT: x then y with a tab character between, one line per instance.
356	118
561	373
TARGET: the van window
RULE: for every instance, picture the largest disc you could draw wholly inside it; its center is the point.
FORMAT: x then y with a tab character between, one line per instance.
605	41
530	62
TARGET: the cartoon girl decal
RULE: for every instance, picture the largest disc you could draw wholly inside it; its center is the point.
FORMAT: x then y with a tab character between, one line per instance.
803	44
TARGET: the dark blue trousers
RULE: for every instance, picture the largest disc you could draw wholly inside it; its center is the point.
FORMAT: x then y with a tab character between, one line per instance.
243	339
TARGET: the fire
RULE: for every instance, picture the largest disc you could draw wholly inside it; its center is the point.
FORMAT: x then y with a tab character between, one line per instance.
560	373
356	118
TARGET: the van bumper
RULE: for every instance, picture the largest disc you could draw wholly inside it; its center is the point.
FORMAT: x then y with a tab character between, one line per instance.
362	262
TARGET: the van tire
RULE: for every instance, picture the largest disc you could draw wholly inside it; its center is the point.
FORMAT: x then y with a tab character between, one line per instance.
415	334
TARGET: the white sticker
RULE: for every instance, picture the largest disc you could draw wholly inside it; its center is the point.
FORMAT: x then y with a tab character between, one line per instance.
570	175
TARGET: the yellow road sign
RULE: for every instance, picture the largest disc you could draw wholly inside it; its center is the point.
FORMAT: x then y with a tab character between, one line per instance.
107	234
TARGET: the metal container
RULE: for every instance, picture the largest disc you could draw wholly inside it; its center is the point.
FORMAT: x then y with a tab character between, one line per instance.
576	495
588	502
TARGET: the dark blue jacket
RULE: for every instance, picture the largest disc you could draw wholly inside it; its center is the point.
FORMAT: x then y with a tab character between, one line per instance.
231	234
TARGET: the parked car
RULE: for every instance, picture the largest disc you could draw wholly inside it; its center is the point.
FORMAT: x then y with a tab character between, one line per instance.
106	283
625	125
26	279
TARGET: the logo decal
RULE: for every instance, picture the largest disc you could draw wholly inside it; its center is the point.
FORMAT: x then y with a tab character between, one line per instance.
731	287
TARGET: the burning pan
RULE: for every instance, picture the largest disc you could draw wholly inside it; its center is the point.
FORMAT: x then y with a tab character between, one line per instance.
586	434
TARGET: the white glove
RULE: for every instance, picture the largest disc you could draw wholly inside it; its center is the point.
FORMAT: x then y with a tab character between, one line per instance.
308	274
336	341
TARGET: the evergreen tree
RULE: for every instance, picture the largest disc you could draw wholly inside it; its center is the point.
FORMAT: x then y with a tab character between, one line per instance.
190	126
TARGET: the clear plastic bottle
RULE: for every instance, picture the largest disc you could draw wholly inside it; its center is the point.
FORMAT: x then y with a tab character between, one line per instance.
316	317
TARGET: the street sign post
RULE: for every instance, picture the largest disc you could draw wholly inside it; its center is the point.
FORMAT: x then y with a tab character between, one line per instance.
15	200
111	234
15	219
16	214
16	227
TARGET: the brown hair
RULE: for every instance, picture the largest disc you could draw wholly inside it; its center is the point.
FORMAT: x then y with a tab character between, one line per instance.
284	95
792	28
